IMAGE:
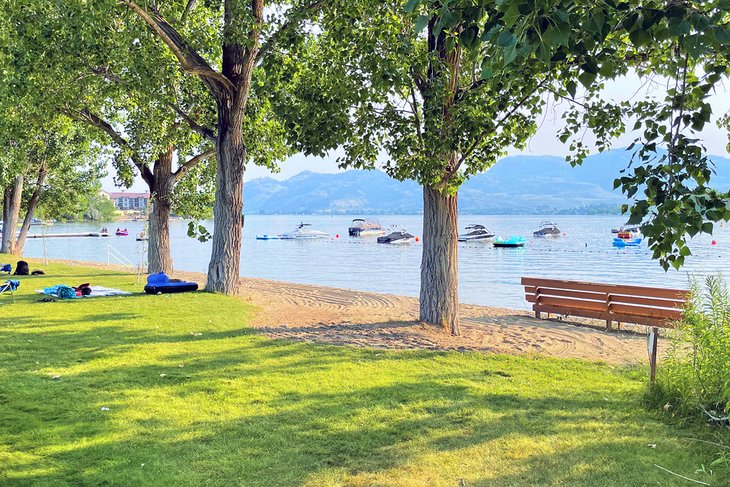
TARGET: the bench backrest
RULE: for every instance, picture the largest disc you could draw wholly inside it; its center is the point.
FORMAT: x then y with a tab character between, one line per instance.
611	302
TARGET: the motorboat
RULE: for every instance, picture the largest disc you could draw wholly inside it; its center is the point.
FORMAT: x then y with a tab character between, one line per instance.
476	233
547	229
268	236
365	228
303	232
512	241
627	242
397	236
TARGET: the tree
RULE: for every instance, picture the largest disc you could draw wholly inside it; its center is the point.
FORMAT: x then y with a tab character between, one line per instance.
445	87
60	165
75	58
240	34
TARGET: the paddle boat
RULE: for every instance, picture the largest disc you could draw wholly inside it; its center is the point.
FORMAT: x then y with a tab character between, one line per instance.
142	237
513	241
477	233
304	233
626	242
121	233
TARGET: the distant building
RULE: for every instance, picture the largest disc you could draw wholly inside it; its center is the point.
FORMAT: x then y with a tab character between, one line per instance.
130	201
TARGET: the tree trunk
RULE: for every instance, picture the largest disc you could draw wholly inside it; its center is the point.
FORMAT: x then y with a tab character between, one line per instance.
439	265
12	199
35	199
225	261
158	245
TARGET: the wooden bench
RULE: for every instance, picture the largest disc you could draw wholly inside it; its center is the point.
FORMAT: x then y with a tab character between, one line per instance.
618	303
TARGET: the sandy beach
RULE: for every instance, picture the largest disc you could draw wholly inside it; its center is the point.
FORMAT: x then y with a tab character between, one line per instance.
364	319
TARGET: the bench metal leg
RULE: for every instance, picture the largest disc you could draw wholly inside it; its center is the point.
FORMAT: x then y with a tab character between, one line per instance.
538	315
609	325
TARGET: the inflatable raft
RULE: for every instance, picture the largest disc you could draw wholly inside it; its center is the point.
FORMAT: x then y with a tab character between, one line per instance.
631	242
162	284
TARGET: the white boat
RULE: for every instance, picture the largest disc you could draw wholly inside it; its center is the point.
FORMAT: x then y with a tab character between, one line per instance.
547	229
365	228
302	232
268	236
476	233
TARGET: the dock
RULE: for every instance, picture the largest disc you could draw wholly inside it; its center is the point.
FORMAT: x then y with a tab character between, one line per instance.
68	235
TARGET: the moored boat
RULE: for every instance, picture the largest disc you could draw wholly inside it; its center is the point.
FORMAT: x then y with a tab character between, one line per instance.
302	232
476	233
267	236
121	233
365	228
547	229
512	241
398	237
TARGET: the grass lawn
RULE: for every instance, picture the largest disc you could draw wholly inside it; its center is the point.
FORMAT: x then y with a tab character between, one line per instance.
196	397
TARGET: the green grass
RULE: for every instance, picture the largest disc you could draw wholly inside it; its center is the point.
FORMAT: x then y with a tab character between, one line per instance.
196	397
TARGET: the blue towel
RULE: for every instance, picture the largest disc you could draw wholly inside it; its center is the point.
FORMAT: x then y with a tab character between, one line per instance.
6	268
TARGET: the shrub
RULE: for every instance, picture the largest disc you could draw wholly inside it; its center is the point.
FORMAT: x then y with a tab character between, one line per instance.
694	379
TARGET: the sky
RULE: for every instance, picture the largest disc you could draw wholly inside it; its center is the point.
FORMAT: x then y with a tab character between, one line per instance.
544	142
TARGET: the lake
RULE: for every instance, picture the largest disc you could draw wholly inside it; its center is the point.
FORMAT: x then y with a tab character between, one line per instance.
487	276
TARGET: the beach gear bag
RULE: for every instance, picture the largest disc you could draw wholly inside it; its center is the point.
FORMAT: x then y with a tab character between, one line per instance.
21	268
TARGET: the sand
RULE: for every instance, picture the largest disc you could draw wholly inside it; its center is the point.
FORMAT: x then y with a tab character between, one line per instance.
366	319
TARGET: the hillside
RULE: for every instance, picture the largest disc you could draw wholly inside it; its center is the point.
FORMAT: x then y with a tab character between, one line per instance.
515	185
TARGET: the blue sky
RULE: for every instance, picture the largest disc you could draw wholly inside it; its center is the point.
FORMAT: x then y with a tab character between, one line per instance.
544	142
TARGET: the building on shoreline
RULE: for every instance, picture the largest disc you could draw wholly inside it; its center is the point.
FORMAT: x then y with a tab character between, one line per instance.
130	201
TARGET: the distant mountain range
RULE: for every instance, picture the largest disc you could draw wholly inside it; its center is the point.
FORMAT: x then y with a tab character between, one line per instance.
514	185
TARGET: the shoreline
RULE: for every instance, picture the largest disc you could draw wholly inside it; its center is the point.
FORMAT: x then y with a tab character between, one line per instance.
338	316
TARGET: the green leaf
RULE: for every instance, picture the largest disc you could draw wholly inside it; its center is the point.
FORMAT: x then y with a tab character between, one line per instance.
412	5
421	23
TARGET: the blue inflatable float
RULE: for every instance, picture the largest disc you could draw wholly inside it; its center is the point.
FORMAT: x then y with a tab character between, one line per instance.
161	283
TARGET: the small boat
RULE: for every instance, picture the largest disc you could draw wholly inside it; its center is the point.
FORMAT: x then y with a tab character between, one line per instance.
121	233
304	233
476	233
267	236
512	242
397	237
547	229
625	229
625	235
626	242
365	228
141	237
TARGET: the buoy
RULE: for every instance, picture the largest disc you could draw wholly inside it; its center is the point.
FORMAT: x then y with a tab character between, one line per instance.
563	234
337	235
417	239
714	242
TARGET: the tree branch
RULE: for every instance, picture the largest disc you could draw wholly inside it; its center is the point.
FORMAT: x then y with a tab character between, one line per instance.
192	162
189	59
91	118
205	132
294	19
188	8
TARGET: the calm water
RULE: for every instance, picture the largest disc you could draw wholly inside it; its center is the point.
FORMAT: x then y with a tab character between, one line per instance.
488	276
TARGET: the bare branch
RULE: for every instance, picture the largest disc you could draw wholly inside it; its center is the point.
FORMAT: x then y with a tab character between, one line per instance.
189	59
295	16
192	162
205	132
93	119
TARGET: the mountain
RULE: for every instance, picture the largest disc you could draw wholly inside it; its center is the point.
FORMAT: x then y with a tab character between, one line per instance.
514	185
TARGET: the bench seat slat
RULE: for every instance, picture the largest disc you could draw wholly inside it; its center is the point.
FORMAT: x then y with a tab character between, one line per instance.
547	291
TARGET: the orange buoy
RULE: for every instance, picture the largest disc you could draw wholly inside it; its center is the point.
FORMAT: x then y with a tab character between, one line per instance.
417	239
